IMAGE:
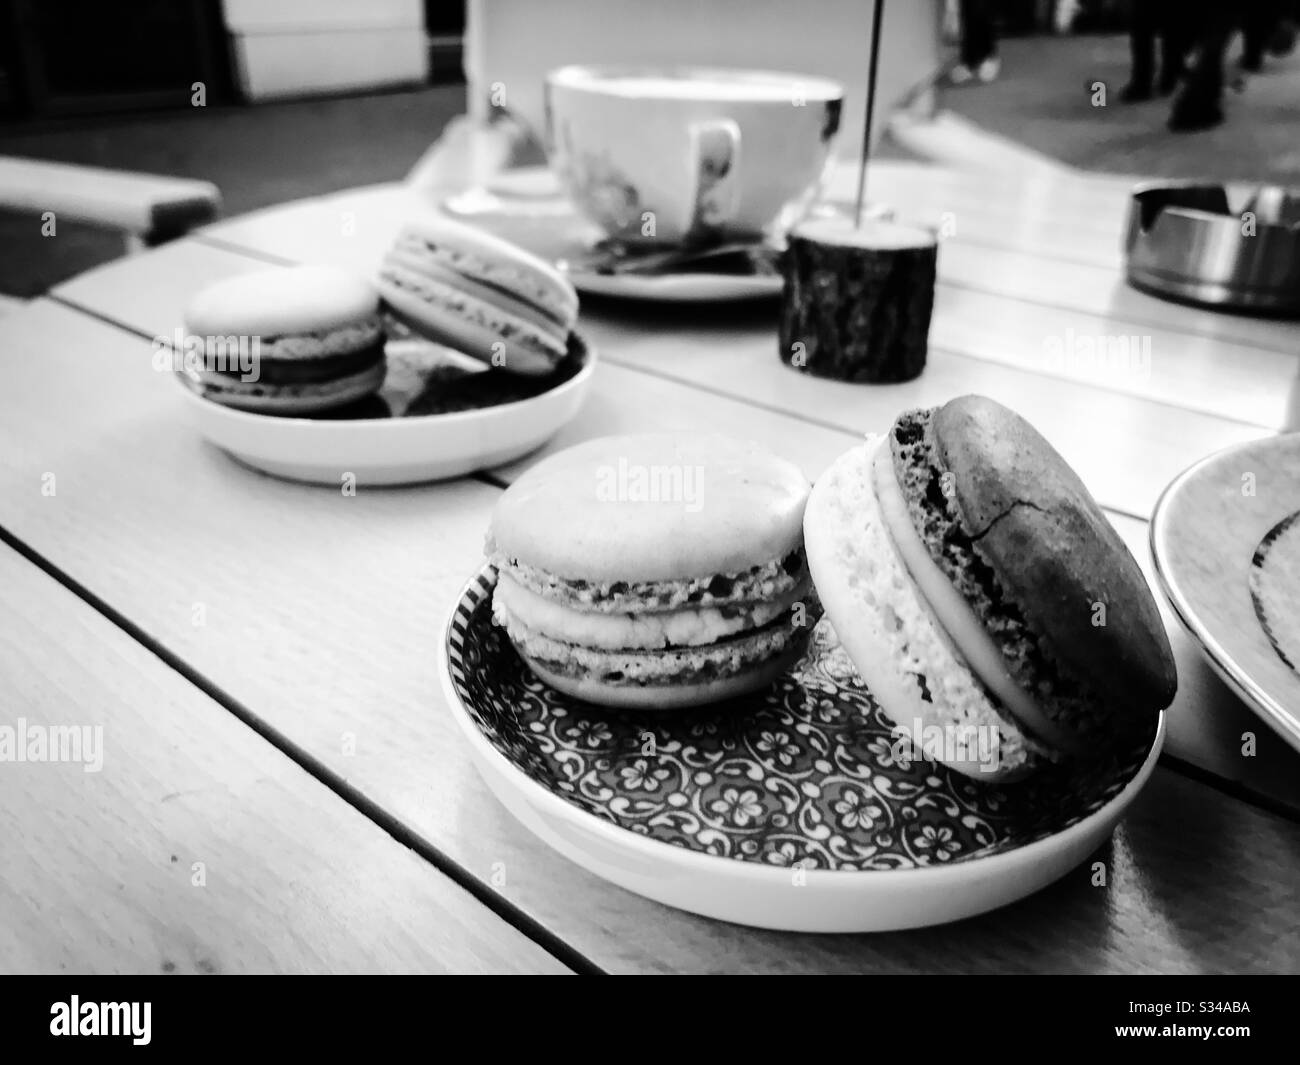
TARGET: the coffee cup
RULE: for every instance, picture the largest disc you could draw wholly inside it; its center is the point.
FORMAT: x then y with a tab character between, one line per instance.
689	155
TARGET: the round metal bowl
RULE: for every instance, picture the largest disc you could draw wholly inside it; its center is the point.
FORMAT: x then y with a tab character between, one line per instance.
1184	241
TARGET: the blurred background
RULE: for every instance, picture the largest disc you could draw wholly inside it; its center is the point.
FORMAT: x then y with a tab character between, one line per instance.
272	100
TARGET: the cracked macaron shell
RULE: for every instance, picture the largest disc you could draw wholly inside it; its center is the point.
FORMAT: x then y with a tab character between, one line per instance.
1055	555
927	493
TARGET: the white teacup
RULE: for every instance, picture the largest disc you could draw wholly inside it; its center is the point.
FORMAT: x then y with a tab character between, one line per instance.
669	156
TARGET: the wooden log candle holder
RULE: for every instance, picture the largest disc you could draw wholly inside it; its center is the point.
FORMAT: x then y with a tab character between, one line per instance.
857	299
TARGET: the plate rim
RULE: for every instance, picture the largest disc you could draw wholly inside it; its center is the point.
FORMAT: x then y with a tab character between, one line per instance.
403	424
641	288
1212	651
538	795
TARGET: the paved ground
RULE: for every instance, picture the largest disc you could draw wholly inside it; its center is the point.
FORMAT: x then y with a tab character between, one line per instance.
1043	100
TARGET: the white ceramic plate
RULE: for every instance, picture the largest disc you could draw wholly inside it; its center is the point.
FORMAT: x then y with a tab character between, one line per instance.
406	449
789	809
1207	528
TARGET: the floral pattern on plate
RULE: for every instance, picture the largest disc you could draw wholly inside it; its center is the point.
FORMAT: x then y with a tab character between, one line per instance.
806	773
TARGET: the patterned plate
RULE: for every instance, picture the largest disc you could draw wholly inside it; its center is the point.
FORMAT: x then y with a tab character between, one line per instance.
725	810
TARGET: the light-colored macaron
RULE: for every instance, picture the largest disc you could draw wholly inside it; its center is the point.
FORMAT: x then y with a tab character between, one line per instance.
479	294
655	571
291	340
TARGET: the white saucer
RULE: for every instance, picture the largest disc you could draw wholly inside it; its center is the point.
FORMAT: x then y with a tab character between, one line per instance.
526	207
1205	532
393	450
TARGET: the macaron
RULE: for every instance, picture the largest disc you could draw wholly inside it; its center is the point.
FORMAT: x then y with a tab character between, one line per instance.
655	571
291	340
993	611
480	295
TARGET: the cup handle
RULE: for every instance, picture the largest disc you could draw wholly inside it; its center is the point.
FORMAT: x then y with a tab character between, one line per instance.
715	163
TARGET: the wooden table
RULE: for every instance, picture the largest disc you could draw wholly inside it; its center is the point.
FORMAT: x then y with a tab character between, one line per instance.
260	653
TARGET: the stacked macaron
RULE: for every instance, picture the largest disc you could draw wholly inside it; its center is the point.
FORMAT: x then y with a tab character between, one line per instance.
294	340
981	592
655	571
480	295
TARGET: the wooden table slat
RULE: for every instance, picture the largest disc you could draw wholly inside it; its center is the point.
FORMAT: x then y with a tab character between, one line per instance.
196	846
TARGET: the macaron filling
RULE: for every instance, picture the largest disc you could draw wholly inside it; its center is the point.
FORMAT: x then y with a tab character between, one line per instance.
1063	700
757	584
669	666
274	370
645	630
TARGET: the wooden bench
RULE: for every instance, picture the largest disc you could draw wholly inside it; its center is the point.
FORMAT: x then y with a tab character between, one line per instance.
148	208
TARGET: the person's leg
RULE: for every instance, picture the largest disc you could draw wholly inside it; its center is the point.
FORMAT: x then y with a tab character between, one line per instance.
1142	47
1259	18
1200	103
1177	34
978	41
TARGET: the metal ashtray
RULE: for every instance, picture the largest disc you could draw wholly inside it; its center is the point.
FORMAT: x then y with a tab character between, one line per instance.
1187	241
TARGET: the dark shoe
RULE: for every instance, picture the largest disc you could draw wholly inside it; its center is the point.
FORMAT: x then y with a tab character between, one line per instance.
1135	92
1169	80
1191	113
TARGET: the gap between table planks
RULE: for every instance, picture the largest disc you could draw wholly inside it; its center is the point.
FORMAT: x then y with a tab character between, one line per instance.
321	613
100	869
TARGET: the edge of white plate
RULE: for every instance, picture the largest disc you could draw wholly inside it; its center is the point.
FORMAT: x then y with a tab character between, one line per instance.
1214	653
325	425
767	896
391	451
680	288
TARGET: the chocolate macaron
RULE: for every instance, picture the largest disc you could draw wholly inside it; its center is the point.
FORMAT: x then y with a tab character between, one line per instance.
293	340
983	595
655	571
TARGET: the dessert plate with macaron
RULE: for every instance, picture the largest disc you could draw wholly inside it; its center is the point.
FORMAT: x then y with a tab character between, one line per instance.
1225	536
460	356
922	688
